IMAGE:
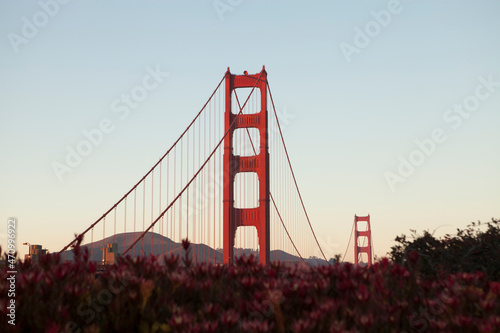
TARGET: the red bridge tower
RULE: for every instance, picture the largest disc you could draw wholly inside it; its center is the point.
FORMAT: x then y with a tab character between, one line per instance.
257	217
359	248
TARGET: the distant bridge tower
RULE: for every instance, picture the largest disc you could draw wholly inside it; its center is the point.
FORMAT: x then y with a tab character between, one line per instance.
362	237
259	216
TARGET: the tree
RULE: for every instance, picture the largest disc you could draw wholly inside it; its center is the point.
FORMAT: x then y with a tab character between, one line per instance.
335	259
470	250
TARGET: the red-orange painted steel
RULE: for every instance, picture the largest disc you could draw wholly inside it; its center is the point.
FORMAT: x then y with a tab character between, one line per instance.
358	250
258	217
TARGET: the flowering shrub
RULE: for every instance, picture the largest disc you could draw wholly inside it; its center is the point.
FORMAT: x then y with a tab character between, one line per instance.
139	295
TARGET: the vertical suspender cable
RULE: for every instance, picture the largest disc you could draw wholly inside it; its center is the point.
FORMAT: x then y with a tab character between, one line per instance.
143	214
209	142
221	182
195	193
92	245
187	191
103	237
125	225
199	189
152	218
169	235
114	230
172	223
215	201
293	174
160	238
204	179
180	199
135	205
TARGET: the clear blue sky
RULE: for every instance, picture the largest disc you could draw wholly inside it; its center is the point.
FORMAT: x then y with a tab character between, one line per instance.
355	112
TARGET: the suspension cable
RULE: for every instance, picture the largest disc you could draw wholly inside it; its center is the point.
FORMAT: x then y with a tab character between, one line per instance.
154	166
270	194
196	174
350	237
293	174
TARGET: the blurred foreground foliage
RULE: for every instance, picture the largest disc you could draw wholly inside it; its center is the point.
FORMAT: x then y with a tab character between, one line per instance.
140	295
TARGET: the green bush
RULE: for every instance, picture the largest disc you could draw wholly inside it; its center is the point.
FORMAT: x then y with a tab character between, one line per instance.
471	250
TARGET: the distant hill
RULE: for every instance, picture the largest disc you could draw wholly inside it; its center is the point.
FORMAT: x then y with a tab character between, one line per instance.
154	242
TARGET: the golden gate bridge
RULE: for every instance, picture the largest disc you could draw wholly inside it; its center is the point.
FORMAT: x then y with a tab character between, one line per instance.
226	184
